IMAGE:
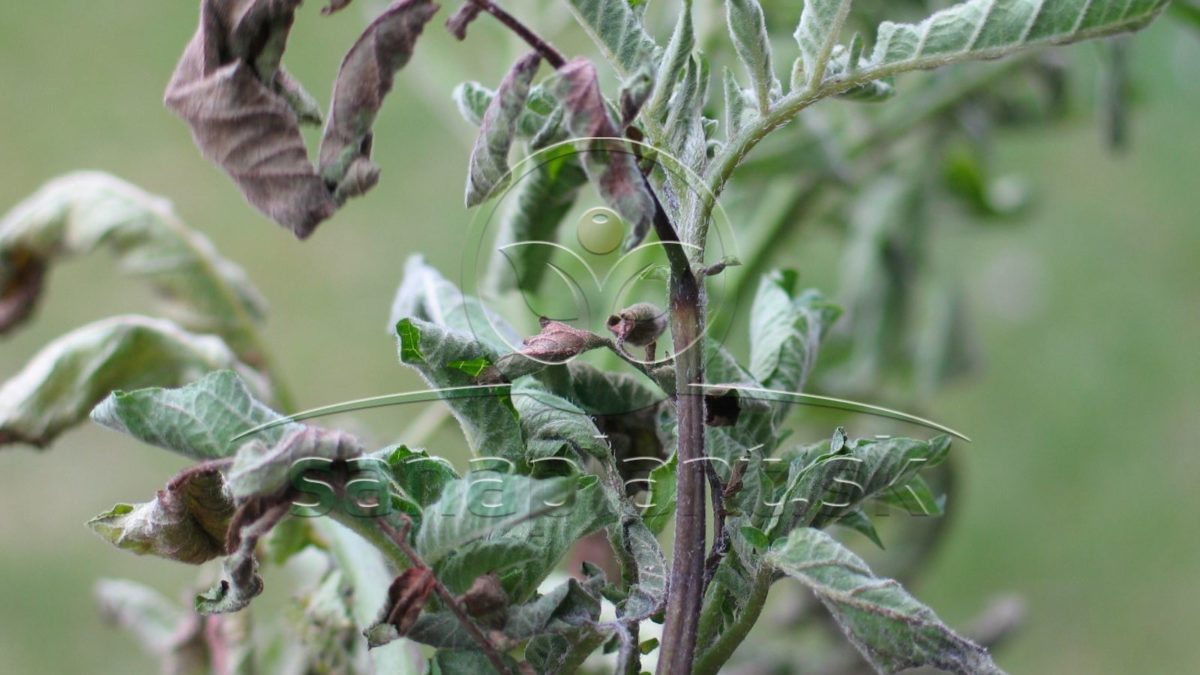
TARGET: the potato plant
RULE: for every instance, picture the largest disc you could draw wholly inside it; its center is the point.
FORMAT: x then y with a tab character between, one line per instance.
591	436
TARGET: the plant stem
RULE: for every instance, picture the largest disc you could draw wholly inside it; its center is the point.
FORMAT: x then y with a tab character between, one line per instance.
685	597
715	656
540	45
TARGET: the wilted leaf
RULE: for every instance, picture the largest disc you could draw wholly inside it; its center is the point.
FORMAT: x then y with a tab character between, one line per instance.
820	27
489	158
82	212
617	29
457	24
564	609
542	199
406	599
265	467
610	164
60	385
748	28
240	583
227	88
198	421
891	629
187	521
473	100
362	83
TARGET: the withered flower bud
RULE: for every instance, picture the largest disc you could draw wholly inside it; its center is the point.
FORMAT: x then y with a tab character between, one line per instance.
407	597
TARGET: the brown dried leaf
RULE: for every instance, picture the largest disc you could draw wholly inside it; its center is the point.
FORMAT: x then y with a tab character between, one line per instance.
21	275
639	325
188	520
485	596
558	342
244	112
335	6
407	597
610	164
364	80
457	24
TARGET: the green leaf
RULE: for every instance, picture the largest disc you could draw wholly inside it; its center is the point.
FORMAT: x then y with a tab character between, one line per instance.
489	158
420	475
891	629
427	295
820	26
644	567
660	500
82	212
543	197
786	332
617	29
861	523
488	420
737	112
914	497
673	63
524	554
988	29
198	421
748	27
552	424
69	376
483	503
187	521
456	661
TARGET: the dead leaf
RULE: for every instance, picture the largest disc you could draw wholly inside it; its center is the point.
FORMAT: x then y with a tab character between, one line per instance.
365	78
610	164
229	88
457	24
407	597
21	276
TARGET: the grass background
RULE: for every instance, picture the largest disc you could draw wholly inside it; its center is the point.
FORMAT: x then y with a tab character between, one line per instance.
1080	483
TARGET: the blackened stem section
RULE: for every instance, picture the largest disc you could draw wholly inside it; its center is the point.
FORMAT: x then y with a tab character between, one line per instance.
540	45
687	568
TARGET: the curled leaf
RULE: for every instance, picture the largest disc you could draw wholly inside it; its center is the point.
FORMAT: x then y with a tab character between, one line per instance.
61	384
457	24
335	6
639	325
609	163
241	582
406	599
558	342
227	88
265	468
82	212
489	158
485	596
364	80
187	521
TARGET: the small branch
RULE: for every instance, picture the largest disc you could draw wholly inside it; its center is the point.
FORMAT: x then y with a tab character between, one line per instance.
541	46
720	545
400	538
710	662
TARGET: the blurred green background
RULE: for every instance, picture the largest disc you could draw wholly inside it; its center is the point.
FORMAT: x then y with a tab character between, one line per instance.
1080	483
